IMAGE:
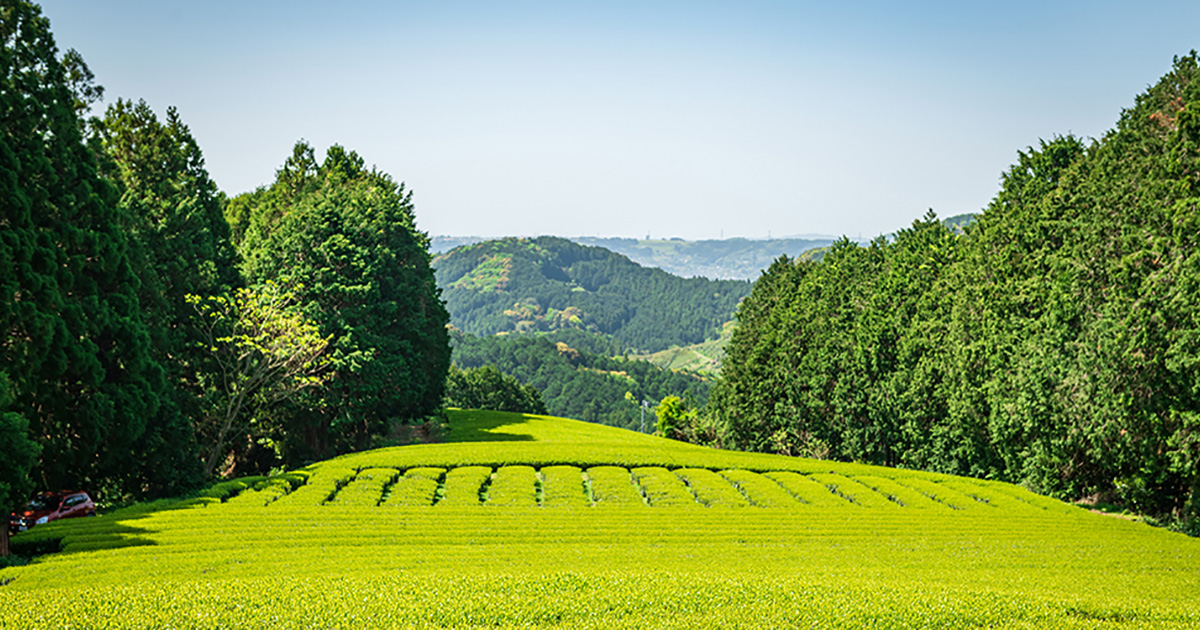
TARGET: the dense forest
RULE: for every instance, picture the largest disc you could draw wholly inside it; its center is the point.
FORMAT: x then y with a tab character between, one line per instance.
146	344
1055	343
578	384
549	284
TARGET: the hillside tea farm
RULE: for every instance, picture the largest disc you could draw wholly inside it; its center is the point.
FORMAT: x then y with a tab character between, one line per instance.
528	521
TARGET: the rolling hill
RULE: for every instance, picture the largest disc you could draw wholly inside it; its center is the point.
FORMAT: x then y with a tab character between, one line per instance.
527	521
547	284
723	259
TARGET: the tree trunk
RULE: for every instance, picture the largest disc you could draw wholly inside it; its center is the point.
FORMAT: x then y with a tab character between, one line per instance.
4	539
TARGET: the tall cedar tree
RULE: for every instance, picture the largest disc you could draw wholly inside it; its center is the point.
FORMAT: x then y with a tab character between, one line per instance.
349	235
175	216
77	352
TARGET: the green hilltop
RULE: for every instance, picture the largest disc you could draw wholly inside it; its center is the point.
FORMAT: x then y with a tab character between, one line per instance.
533	521
548	284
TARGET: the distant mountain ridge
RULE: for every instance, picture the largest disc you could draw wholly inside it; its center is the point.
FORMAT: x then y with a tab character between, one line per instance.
725	259
519	285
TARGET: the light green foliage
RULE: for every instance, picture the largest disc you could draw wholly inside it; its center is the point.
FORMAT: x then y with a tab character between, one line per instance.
672	413
613	486
563	486
702	358
226	489
663	488
712	489
465	485
513	486
941	493
268	490
901	494
267	351
853	491
366	488
807	490
322	485
490	274
993	497
417	486
1031	563
760	490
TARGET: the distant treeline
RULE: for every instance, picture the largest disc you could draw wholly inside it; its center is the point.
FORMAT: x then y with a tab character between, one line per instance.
550	284
1056	343
578	384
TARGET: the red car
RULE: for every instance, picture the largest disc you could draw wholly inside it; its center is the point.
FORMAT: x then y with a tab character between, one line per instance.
51	506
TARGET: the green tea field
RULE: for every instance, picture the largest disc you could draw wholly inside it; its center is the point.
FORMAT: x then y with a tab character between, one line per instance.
536	522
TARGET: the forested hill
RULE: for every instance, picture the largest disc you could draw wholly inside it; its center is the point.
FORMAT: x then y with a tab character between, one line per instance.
547	283
580	384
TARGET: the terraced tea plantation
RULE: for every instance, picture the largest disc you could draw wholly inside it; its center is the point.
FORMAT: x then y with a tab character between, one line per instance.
521	521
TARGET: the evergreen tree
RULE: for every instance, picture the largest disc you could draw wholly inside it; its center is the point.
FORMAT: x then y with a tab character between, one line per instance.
1055	344
182	247
76	350
486	388
349	234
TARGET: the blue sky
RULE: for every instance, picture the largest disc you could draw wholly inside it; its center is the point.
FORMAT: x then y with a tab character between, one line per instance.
689	119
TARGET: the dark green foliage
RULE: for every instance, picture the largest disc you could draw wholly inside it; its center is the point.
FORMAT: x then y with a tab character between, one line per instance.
551	284
18	453
486	388
577	384
822	361
76	350
182	247
1055	343
348	234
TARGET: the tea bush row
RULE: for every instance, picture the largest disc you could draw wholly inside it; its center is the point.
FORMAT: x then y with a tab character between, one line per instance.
465	485
712	489
808	490
614	486
416	487
663	488
366	488
563	486
513	486
760	490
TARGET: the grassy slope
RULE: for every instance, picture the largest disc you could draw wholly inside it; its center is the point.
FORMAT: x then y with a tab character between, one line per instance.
1018	561
702	358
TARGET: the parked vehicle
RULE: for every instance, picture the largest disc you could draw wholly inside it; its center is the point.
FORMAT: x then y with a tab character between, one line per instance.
51	506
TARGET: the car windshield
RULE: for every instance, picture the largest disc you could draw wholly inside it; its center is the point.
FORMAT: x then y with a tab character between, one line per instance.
43	503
